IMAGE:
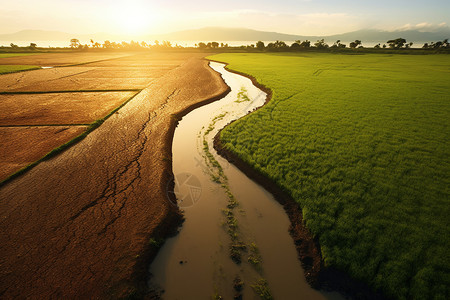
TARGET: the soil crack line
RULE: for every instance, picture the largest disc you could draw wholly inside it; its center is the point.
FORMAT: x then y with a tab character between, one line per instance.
111	190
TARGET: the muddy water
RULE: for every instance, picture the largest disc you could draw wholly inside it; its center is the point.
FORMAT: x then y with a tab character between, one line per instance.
224	210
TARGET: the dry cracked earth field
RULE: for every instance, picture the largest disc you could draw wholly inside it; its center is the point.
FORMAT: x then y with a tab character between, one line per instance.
80	224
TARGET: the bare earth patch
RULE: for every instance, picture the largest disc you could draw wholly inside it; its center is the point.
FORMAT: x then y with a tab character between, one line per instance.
82	83
58	96
58	108
23	145
17	81
59	59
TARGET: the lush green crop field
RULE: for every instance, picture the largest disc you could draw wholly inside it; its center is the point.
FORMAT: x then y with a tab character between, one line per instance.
2	55
362	142
12	68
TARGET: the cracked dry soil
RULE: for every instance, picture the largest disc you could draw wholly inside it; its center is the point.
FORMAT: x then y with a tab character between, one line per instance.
78	225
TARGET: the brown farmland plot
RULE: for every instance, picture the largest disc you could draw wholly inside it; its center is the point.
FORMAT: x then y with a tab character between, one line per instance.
71	95
23	145
59	59
58	108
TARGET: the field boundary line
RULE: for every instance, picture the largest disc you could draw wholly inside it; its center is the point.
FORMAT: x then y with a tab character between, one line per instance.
33	68
95	61
91	127
44	125
68	91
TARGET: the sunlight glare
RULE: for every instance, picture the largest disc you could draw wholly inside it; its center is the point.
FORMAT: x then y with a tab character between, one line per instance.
135	17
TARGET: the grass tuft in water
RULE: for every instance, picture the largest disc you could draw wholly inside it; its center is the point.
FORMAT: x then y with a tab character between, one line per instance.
254	257
242	96
261	288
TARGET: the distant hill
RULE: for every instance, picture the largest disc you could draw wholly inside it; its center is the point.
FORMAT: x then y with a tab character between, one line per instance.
242	34
45	35
222	34
231	34
372	35
36	35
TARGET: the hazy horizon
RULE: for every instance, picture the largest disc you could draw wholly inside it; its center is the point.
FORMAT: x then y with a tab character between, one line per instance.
303	17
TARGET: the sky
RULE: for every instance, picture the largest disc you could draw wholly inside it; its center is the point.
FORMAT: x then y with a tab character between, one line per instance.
302	17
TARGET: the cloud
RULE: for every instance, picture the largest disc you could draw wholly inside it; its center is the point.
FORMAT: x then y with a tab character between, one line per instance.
424	27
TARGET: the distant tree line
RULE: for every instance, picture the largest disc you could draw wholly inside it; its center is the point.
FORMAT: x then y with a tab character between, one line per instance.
31	47
75	44
399	43
394	44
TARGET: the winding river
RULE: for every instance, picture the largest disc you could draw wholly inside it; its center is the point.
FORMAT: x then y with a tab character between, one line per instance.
234	241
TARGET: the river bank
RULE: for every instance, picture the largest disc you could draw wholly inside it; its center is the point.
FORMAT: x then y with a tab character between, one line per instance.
234	231
308	248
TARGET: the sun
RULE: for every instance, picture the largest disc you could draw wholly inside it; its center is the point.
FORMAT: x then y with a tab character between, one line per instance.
134	18
134	22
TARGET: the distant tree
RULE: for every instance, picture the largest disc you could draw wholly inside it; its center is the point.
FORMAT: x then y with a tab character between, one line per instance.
260	45
335	44
408	45
74	43
320	44
14	46
201	45
107	45
135	45
355	44
397	43
156	43
437	45
305	44
295	45
384	46
92	43
32	46
280	44
277	46
167	44
425	46
214	45
377	46
338	44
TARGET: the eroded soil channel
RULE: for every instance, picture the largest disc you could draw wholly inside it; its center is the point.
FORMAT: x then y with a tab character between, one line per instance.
234	243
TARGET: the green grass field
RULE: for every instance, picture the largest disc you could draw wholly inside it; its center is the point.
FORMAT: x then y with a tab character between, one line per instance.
362	143
4	69
2	55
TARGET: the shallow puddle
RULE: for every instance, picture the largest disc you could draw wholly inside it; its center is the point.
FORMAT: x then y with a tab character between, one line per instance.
235	238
